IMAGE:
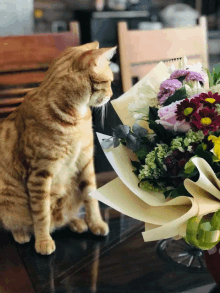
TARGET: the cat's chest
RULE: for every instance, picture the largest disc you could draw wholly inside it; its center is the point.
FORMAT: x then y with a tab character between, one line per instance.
64	170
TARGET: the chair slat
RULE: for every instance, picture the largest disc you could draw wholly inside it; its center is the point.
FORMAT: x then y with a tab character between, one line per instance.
165	44
11	101
146	48
24	61
22	78
18	53
7	110
14	92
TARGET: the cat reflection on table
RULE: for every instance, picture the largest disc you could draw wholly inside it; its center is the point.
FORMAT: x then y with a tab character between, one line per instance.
47	150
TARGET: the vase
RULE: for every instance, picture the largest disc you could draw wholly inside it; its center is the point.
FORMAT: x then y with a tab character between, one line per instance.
182	255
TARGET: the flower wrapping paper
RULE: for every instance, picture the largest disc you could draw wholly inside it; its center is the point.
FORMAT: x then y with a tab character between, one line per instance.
163	218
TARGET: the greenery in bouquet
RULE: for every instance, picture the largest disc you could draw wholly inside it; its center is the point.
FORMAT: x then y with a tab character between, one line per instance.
184	123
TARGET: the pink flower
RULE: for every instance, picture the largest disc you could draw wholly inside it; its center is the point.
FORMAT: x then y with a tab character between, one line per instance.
168	118
177	127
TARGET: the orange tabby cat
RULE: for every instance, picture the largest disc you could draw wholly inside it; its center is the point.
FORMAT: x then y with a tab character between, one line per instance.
46	150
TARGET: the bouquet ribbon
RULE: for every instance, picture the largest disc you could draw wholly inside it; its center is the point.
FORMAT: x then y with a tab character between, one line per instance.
164	218
203	234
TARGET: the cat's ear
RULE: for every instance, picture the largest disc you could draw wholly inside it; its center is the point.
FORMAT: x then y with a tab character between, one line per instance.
105	54
89	46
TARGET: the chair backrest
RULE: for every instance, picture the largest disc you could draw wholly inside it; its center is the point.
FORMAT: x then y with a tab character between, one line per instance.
141	50
24	61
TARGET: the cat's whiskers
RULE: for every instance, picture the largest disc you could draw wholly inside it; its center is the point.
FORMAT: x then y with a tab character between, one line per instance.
103	116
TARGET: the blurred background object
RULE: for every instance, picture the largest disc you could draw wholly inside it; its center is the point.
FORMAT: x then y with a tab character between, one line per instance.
59	26
16	17
117	4
178	15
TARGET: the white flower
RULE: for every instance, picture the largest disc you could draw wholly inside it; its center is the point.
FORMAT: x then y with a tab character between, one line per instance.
138	116
146	97
183	63
191	91
193	84
190	149
197	67
171	69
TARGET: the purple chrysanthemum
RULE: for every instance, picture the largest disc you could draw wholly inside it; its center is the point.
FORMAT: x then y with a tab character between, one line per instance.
163	95
170	84
178	73
192	75
167	89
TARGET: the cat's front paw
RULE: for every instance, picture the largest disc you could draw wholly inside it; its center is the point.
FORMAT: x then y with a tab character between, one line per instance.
99	228
45	247
21	236
78	225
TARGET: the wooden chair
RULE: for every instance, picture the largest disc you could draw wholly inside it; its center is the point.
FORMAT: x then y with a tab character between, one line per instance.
140	50
24	61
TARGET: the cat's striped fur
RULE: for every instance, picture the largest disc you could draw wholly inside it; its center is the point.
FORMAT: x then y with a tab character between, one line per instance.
46	150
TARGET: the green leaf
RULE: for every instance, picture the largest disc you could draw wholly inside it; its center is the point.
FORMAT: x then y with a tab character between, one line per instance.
139	131
177	96
153	113
167	193
116	141
174	193
180	190
136	172
215	158
181	78
142	152
136	164
132	142
204	154
216	73
218	81
123	141
122	131
216	68
163	134
149	143
210	76
158	163
183	174
189	167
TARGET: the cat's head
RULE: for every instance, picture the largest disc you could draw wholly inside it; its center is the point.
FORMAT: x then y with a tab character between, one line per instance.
95	64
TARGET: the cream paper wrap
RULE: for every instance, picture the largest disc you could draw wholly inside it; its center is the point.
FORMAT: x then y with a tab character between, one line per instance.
163	218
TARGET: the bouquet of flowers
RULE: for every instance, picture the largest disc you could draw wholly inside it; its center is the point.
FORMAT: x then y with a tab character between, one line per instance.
167	154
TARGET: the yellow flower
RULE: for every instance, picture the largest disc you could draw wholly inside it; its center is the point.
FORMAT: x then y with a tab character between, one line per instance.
216	141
